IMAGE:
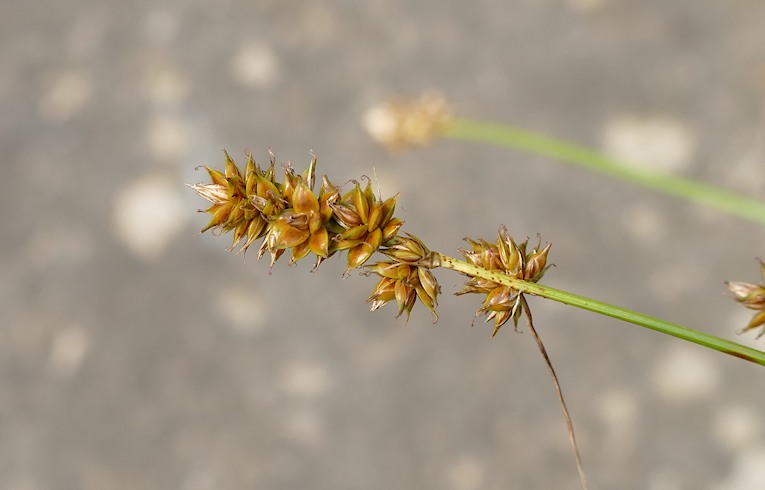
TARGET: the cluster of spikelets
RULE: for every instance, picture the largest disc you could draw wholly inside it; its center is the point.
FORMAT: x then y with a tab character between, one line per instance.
509	258
289	215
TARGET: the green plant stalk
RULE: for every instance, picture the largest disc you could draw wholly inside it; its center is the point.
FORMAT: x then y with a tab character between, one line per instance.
673	329
508	136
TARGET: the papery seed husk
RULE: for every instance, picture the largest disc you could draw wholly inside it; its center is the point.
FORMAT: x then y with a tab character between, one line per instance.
536	264
236	213
335	228
402	255
757	320
405	297
429	302
750	295
346	215
254	231
374	239
340	245
300	251
231	170
385	269
500	318
239	232
216	177
403	271
428	281
283	234
391	229
319	242
497	300
359	254
275	254
369	193
326	199
265	188
360	203
291	181
415	244
388	208
355	233
220	215
375	216
304	201
314	222
309	174
383	296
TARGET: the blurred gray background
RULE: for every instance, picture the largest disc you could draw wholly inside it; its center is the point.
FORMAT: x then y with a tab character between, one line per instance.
137	354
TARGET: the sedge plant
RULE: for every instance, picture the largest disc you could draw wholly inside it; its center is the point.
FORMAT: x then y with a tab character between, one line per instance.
283	211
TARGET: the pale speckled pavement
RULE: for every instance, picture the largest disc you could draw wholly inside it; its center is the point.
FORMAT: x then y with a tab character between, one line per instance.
137	354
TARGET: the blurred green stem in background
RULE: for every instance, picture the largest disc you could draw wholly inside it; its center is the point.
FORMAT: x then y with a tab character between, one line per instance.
508	136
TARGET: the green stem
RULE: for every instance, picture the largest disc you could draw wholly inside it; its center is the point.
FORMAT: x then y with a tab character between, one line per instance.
497	134
673	329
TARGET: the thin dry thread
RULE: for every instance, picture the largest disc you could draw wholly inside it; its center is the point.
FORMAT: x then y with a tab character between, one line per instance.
566	415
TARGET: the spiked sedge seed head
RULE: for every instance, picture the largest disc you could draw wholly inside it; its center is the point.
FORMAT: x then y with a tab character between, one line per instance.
751	296
290	215
404	123
241	203
508	257
406	277
363	223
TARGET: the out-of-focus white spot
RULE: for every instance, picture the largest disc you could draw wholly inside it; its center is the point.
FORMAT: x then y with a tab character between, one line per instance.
380	122
466	473
643	222
618	412
737	426
65	96
166	85
748	471
255	66
69	347
304	427
652	143
685	375
167	137
304	380
148	215
242	310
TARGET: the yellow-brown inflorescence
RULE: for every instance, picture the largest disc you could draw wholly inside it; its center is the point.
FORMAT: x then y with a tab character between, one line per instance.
406	276
506	256
289	215
753	297
362	224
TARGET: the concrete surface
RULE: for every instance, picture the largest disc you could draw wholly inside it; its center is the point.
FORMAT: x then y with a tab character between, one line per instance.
137	354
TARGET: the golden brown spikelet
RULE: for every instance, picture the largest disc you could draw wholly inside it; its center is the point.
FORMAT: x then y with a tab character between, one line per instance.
502	302
406	277
364	223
